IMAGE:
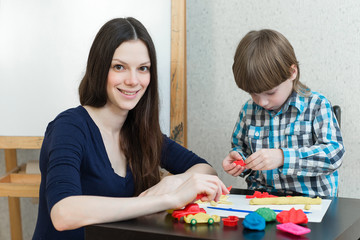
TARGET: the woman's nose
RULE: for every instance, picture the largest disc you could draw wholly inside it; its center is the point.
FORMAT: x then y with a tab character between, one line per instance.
132	78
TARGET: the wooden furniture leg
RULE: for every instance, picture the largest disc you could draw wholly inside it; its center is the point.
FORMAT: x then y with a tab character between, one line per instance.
14	202
15	218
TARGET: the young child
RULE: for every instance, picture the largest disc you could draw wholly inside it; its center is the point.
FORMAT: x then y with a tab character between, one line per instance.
287	135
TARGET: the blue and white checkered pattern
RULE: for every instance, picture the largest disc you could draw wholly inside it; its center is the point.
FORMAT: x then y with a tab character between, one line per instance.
308	133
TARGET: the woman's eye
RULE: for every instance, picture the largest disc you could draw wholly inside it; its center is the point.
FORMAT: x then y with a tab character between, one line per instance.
144	68
119	67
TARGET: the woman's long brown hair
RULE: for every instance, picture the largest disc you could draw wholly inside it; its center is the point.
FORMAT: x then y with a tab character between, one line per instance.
141	137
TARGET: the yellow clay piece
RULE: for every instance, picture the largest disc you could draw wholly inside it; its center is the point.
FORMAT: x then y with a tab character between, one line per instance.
223	200
285	201
307	207
201	218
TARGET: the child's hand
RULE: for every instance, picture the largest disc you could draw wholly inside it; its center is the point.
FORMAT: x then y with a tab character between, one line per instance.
230	167
265	159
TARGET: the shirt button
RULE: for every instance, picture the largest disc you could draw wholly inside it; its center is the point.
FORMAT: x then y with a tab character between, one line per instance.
276	177
276	117
257	134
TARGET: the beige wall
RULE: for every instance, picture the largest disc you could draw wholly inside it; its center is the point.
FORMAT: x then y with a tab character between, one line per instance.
326	38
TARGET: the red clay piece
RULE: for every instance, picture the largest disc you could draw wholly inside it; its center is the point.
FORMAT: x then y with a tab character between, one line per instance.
230	221
240	162
293	228
258	194
192	208
294	216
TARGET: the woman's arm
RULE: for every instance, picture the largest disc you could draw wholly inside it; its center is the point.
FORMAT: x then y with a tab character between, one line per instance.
78	211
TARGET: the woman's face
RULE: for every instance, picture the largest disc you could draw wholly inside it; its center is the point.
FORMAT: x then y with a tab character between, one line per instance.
129	75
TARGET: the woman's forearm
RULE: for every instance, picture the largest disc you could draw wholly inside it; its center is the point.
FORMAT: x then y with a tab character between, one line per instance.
202	168
78	211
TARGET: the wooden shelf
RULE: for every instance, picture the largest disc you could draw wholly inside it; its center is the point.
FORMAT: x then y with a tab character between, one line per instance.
17	183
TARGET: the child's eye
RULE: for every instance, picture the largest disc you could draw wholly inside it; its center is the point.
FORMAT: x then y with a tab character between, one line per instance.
271	93
119	67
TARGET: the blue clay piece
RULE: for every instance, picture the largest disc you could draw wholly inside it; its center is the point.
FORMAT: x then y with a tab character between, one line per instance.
254	221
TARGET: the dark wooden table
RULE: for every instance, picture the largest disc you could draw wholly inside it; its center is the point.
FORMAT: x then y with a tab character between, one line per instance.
341	221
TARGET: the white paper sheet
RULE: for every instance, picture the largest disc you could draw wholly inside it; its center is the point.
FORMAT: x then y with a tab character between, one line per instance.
316	213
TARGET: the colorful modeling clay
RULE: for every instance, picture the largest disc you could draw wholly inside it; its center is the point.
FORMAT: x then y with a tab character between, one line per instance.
254	221
201	218
294	216
293	228
268	214
191	208
258	194
285	201
223	200
230	221
199	196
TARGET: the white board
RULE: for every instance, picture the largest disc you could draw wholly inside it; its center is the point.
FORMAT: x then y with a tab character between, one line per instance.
44	45
240	207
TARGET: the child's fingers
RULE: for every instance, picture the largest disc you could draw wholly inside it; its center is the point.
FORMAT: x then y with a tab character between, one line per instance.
235	156
236	171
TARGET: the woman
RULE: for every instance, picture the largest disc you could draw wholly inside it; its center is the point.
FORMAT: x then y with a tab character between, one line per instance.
100	161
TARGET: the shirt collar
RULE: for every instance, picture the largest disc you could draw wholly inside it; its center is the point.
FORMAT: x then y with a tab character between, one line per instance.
294	100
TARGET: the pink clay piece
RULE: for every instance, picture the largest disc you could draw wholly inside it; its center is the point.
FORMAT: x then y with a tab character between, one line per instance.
293	228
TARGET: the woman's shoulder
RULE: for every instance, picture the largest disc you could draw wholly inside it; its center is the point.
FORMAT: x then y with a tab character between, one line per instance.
76	117
75	114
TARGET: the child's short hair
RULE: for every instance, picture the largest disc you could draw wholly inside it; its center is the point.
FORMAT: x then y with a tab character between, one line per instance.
263	60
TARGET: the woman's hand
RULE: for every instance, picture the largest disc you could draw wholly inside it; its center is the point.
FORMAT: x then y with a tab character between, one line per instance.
184	188
230	167
209	186
166	185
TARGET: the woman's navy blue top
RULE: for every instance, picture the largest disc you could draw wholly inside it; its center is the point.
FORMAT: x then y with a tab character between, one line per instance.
73	161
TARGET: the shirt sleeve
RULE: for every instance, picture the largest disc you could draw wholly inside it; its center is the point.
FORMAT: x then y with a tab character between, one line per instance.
64	141
239	140
177	159
325	156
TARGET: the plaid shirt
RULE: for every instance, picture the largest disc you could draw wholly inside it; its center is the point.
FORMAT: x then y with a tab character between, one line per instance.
308	133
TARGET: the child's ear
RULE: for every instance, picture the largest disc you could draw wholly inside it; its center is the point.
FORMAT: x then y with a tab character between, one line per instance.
294	72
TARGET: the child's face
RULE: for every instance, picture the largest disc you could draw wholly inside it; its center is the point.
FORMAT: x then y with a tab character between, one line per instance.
274	98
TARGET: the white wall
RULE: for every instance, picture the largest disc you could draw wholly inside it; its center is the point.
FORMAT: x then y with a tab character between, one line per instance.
326	37
44	46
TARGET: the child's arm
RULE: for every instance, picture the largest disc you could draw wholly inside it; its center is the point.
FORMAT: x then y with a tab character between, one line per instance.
239	145
325	155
